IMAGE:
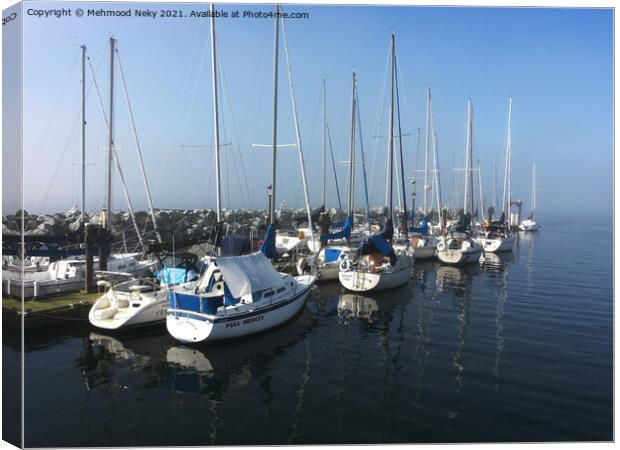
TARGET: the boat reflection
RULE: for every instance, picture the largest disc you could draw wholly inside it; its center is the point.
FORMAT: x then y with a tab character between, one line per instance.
379	307
494	262
455	279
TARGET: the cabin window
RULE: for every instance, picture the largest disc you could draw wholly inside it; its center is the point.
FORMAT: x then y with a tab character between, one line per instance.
282	289
268	294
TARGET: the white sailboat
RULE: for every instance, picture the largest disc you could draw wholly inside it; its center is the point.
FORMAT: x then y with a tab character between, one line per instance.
457	246
328	257
496	237
531	224
378	266
423	244
240	295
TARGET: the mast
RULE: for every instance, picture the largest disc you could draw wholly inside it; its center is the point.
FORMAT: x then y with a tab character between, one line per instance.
138	149
533	191
400	144
351	204
108	216
481	206
468	199
275	121
359	123
495	185
509	150
426	143
437	178
324	141
216	126
83	160
297	131
507	194
390	163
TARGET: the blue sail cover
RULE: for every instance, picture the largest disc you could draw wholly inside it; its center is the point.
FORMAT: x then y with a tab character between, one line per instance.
344	233
331	254
423	228
269	244
175	275
380	242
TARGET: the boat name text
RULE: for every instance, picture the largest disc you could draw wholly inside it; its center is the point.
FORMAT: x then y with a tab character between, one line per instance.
238	323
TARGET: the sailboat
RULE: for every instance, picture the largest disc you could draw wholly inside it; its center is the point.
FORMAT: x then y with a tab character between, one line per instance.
239	295
423	244
378	266
496	236
328	257
530	224
457	246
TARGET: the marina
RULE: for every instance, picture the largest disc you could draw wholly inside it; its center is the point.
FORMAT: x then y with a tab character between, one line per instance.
233	270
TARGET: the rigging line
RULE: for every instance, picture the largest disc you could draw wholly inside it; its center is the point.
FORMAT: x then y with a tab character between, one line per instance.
381	106
359	122
138	148
185	82
118	163
259	66
62	94
66	146
198	74
331	150
297	132
235	131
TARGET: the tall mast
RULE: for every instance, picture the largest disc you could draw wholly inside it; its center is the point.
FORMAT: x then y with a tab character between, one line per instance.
495	185
507	195
533	190
83	160
426	143
466	208
390	163
324	141
509	151
400	145
108	216
216	126
481	206
471	157
351	204
275	120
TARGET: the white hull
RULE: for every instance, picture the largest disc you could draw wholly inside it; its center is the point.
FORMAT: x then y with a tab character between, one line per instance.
115	310
363	281
192	327
528	225
458	257
497	245
65	276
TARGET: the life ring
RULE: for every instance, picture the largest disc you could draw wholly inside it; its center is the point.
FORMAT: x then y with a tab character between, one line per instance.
441	246
301	235
345	265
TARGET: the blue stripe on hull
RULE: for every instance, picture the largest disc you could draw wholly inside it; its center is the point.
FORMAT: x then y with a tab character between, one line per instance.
256	312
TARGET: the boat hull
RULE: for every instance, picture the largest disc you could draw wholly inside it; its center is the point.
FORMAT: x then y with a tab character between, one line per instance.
528	225
191	327
148	314
504	244
459	257
360	281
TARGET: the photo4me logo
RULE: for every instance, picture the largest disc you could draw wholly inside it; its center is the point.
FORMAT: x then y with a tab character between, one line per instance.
9	18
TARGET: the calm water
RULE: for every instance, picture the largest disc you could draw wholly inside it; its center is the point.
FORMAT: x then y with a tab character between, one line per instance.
517	349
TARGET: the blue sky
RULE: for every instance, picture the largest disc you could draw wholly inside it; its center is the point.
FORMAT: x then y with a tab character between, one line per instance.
556	63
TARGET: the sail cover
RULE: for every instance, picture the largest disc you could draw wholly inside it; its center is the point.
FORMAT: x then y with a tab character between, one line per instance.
344	233
248	273
269	244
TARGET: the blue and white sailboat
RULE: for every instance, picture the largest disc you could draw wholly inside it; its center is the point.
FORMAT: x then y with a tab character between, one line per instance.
239	295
